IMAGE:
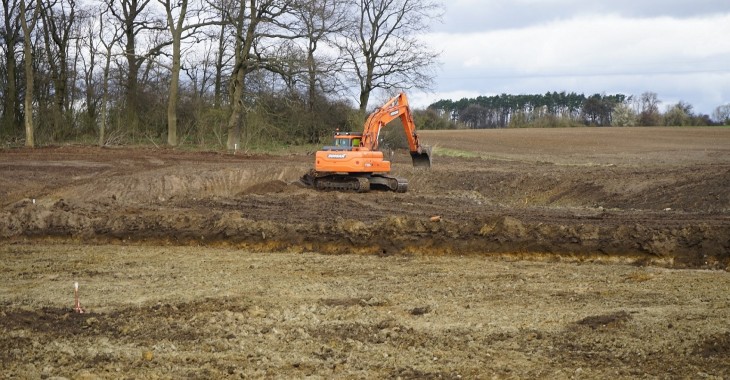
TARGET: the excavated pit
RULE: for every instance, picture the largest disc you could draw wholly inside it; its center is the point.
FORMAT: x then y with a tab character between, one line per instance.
663	214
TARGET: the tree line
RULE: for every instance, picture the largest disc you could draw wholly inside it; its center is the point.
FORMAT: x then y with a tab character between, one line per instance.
562	109
221	72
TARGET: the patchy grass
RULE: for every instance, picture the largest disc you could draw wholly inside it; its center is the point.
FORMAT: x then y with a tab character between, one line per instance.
448	152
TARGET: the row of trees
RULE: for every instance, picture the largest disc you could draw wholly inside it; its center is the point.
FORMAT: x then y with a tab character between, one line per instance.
232	71
569	109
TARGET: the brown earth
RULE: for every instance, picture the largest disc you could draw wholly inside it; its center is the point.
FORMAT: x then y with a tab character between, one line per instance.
175	248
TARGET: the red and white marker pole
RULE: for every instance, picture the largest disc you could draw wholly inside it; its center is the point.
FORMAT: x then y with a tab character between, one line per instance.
77	305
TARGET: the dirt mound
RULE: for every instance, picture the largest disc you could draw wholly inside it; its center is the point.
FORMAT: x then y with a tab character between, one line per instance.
195	182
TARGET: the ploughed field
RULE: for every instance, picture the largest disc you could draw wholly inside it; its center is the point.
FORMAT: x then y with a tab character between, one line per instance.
554	253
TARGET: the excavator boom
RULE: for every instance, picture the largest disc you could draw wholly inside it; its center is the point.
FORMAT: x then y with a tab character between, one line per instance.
396	107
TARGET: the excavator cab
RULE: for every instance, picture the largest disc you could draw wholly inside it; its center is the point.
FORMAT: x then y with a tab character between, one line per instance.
345	141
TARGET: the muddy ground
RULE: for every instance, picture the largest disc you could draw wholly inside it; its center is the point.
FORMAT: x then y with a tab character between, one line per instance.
522	253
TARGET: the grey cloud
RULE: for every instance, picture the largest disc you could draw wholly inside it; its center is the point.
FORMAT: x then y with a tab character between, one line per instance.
496	15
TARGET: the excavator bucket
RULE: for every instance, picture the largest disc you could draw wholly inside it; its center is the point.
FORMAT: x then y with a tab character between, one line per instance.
422	159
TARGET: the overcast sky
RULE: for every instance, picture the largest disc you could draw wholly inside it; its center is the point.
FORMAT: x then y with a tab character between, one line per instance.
678	49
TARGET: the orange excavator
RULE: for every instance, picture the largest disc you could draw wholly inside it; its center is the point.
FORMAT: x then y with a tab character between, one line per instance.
354	161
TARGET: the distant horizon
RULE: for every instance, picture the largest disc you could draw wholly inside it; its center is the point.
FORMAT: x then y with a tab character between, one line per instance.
633	96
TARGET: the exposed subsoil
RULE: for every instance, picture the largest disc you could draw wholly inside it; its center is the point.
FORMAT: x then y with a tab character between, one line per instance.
204	265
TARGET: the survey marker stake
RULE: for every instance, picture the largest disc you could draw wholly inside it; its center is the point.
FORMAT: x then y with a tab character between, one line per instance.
77	305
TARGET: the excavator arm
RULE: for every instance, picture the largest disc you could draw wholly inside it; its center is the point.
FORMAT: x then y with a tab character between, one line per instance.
396	107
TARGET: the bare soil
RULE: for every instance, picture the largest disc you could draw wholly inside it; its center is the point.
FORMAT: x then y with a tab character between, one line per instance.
585	252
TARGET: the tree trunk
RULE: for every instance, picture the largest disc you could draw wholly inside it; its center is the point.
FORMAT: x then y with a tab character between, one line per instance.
11	94
365	95
60	78
105	97
29	80
90	90
366	84
311	127
312	73
234	121
132	117
238	76
176	31
28	57
364	98
174	89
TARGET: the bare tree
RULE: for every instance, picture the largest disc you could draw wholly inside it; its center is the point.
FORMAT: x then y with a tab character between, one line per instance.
58	21
176	30
255	22
199	71
223	35
244	46
321	20
132	15
87	41
649	112
108	37
722	114
383	48
28	23
179	30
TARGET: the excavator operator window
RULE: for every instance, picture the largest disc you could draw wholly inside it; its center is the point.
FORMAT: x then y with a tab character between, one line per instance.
342	143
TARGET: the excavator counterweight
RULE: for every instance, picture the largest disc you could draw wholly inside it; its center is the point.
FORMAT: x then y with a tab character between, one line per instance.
354	161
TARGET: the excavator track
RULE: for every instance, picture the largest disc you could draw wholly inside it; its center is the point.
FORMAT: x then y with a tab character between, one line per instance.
354	182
